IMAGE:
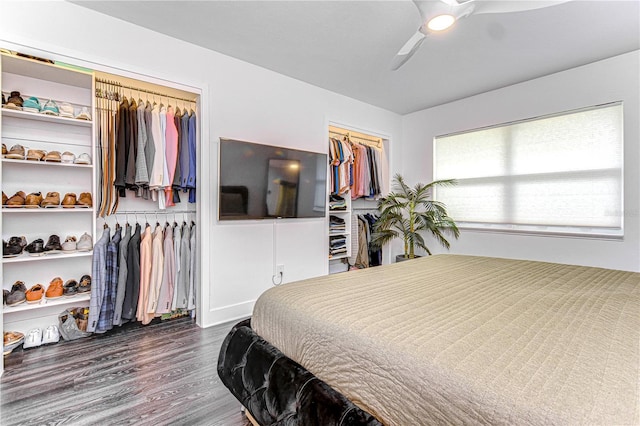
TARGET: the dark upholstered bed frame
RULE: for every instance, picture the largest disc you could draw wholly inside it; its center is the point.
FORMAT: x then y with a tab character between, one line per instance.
278	391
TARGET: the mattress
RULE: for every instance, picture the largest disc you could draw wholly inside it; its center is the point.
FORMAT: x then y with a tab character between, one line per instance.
461	340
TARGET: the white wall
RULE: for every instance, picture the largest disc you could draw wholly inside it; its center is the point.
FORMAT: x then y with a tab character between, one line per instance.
613	79
240	101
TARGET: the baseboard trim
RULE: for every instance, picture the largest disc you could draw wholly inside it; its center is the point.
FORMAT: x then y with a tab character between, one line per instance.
227	313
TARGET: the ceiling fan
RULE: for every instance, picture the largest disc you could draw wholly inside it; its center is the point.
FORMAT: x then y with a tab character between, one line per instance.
438	15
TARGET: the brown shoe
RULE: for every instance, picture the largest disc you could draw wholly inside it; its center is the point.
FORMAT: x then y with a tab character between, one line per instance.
53	156
85	200
51	200
4	149
55	289
35	154
34	294
69	200
4	198
33	200
17	200
16	152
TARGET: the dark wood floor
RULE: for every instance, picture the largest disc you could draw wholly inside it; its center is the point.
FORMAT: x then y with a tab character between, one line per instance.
160	374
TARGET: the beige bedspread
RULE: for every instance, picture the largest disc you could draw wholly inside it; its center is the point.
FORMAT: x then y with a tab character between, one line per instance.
465	340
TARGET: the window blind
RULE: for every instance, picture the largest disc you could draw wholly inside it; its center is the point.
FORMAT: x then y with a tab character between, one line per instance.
560	174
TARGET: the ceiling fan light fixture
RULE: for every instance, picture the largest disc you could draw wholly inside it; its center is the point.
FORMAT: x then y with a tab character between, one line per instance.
441	22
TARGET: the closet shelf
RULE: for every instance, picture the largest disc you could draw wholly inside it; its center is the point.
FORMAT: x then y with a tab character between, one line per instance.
45	117
26	257
47	303
339	211
333	234
45	163
339	256
25	210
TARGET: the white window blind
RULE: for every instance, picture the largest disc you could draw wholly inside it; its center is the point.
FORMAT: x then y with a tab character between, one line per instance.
557	174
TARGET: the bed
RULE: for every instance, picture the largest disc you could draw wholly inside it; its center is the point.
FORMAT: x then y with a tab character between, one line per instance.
445	339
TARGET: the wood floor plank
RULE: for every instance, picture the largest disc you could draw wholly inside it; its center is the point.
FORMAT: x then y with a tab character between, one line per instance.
160	374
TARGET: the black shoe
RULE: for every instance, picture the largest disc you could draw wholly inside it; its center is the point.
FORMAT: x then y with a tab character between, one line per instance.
53	244
13	248
85	284
35	247
17	294
70	288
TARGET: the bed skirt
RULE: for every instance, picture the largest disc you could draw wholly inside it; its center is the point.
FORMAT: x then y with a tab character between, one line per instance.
277	390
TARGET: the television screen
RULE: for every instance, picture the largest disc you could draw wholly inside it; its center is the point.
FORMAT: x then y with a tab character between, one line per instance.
264	181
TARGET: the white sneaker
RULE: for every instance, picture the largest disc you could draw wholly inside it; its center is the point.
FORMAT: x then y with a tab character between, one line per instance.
33	339
67	157
85	243
84	114
66	110
51	335
83	158
69	245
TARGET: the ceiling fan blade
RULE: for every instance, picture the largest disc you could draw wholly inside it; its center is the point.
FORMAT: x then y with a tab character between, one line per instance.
407	50
492	6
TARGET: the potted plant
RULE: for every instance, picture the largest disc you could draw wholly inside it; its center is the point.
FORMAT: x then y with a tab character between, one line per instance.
406	212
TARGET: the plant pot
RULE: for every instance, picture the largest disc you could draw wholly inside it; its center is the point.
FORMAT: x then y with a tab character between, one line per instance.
401	258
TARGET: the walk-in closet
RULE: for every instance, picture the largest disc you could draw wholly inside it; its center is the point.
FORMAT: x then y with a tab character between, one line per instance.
100	200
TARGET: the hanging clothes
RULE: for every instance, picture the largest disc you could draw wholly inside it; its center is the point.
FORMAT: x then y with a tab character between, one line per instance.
130	304
123	270
165	295
171	155
99	279
146	253
191	181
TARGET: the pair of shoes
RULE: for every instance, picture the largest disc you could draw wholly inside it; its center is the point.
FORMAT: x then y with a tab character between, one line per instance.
33	200
38	248
32	104
51	200
53	244
17	295
84	286
15	153
36	338
50	108
85	243
53	157
35	247
17	200
70	200
55	289
84	114
70	288
35	154
34	294
12	339
14	247
70	244
15	101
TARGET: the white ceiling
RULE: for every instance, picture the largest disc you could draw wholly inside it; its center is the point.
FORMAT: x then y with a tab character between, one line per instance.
347	46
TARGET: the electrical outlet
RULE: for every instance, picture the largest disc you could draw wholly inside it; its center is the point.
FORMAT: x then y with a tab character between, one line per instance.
280	269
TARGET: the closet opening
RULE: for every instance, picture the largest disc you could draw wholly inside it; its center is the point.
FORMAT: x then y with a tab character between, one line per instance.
358	177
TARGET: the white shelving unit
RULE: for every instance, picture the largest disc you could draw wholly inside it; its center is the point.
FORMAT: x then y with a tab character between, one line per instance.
48	133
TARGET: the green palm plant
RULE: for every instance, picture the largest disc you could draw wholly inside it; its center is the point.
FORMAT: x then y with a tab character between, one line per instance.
407	211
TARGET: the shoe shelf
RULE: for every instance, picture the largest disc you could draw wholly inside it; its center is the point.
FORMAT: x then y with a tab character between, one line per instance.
44	163
47	210
45	303
26	257
45	117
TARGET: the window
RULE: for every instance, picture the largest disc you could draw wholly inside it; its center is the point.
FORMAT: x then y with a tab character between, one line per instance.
558	174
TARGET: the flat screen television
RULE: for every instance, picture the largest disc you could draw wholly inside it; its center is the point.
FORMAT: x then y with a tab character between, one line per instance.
263	181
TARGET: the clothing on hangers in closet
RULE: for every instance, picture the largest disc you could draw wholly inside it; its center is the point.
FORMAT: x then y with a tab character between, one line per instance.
355	167
144	148
142	276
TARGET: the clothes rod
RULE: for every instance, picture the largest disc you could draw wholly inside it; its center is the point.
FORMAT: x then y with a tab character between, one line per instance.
152	212
378	142
137	89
